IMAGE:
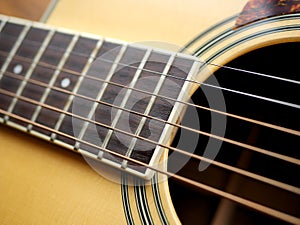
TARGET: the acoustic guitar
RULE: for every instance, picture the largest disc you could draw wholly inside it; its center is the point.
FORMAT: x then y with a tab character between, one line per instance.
193	118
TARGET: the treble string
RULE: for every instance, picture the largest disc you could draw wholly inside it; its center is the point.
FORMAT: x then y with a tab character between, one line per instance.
62	50
188	80
184	79
248	203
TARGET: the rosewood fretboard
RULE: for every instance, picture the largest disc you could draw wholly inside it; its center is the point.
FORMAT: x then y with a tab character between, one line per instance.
90	94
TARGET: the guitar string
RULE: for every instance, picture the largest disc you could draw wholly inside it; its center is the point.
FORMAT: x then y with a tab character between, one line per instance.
192	81
203	133
230	196
179	78
269	181
160	74
238	143
262	151
45	65
59	49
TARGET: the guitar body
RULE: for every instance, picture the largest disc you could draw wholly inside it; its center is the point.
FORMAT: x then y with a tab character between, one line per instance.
45	184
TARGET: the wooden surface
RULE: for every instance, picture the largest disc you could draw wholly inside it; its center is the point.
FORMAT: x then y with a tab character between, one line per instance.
168	21
41	183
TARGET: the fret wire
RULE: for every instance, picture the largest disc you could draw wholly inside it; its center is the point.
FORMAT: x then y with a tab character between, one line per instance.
3	22
11	55
102	90
60	49
31	68
213	162
211	64
178	108
14	50
272	126
149	107
253	148
126	98
256	206
54	77
80	79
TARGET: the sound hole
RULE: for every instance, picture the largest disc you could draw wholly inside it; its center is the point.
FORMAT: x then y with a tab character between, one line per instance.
199	207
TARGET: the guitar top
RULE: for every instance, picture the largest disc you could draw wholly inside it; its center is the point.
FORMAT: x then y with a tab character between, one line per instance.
119	99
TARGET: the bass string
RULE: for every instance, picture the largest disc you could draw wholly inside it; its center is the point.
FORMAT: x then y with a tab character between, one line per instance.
175	125
253	205
180	151
233	142
45	65
282	157
60	49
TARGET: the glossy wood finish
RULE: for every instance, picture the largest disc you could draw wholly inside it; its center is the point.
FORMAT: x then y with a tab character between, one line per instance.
169	22
65	198
42	190
55	194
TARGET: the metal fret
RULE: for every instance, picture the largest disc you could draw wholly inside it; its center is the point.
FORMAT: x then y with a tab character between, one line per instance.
14	49
149	107
30	70
55	75
84	72
102	90
182	97
12	53
125	99
3	22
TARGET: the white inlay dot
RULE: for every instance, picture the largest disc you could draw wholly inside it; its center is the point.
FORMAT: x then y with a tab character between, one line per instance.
65	83
18	69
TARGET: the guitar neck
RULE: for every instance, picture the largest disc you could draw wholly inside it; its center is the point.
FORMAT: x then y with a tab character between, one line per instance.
81	91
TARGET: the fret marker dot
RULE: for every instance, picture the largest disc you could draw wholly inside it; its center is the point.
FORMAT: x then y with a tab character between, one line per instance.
18	69
65	83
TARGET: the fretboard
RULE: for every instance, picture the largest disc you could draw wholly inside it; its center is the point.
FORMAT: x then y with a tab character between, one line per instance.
109	100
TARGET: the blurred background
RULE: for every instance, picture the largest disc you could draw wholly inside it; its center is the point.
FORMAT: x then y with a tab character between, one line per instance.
29	9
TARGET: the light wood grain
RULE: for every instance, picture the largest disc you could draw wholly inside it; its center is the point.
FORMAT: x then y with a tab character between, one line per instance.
174	22
42	183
